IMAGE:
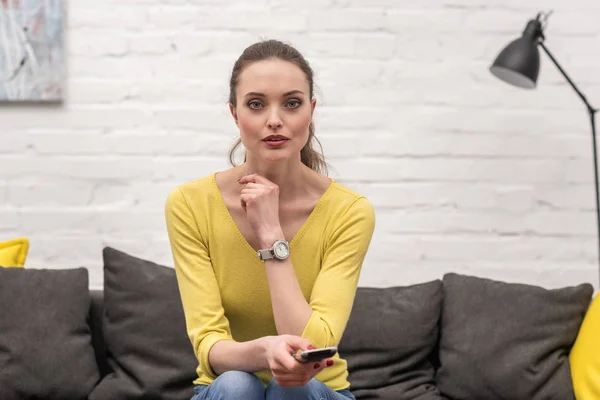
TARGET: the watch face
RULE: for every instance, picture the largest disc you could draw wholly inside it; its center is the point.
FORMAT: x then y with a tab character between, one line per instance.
281	250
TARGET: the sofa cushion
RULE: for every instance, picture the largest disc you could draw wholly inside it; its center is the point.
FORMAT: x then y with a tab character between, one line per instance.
584	358
45	343
508	340
389	339
148	349
95	321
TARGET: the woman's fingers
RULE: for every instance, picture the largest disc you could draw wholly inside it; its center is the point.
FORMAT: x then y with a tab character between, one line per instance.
257	178
308	371
302	376
295	368
287	365
252	185
247	198
256	191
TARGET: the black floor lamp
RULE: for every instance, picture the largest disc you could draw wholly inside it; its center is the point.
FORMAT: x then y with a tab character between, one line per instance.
519	64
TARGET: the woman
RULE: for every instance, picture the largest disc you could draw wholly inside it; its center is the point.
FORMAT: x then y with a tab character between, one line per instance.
268	253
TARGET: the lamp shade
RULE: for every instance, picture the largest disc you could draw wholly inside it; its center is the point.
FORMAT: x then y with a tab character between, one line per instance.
519	62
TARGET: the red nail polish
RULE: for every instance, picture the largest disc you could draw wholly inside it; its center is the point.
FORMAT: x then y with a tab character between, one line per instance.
316	365
329	363
311	347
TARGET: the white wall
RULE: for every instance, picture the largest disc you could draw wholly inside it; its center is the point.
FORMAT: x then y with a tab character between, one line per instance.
467	173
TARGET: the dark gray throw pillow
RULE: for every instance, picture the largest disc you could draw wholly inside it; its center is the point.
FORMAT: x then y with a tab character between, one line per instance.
507	340
389	341
45	342
145	334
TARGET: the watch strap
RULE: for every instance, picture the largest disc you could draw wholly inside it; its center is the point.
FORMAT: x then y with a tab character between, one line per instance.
266	254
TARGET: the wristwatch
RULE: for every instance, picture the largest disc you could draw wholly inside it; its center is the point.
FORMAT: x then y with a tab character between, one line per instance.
280	251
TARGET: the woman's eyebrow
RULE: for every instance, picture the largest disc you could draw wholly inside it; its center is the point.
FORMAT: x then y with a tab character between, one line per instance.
284	95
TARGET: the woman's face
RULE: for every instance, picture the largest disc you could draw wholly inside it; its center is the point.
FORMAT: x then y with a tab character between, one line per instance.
274	110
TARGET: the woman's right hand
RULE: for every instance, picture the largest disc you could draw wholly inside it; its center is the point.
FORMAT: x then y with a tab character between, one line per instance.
287	369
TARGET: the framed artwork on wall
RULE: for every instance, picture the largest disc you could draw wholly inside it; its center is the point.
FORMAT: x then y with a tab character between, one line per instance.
32	64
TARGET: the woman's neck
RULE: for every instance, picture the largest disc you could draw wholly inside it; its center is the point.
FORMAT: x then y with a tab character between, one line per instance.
291	176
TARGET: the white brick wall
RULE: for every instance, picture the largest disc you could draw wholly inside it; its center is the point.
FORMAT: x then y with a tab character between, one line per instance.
467	173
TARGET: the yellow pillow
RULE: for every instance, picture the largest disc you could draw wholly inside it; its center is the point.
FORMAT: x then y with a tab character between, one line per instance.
14	252
585	355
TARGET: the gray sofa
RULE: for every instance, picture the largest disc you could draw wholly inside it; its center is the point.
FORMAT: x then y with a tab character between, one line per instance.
457	338
379	383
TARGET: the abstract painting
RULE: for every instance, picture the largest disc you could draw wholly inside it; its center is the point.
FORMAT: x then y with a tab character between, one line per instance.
31	50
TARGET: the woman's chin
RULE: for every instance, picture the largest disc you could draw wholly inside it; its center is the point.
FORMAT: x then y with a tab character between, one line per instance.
275	160
275	156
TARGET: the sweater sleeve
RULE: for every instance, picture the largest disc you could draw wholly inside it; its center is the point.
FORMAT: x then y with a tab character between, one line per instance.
204	314
333	293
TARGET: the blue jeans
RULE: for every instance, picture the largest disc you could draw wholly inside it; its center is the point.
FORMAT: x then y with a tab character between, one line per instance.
234	385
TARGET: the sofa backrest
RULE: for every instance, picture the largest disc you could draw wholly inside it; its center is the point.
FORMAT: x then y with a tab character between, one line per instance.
95	323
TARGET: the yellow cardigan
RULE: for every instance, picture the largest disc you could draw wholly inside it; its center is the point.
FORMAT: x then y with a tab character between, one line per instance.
223	284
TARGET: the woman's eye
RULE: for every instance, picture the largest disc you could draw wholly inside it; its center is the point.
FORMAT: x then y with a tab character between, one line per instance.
294	103
255	105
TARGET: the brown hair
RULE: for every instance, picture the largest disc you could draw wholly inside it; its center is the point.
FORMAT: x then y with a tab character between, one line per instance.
274	49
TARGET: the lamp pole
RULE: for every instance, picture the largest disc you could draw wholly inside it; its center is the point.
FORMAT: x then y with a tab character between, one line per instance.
518	64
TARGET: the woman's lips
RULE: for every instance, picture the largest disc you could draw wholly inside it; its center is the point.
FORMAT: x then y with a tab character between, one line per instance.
275	142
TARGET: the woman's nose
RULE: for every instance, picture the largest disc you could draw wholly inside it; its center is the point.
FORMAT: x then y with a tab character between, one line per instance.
274	120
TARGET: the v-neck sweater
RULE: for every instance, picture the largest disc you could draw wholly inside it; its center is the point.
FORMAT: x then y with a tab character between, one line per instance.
223	284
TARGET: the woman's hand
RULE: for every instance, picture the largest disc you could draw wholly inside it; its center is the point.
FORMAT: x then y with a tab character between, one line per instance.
260	201
290	370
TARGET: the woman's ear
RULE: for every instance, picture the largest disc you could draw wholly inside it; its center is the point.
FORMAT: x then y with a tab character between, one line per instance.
233	113
313	104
